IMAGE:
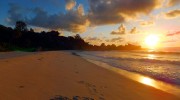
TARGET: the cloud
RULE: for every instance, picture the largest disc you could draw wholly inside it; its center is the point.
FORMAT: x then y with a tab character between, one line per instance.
147	23
118	39
93	39
80	9
115	11
56	3
15	14
70	4
121	30
173	2
172	34
39	29
99	41
133	30
169	41
101	12
173	14
73	21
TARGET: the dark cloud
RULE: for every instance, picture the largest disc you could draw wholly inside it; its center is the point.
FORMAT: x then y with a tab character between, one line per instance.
173	14
173	2
15	14
116	11
121	30
56	3
172	34
73	21
101	12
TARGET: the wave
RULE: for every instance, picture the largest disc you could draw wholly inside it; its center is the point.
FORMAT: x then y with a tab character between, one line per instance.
164	70
138	59
150	51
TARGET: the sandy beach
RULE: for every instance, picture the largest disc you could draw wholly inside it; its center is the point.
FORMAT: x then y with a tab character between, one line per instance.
57	74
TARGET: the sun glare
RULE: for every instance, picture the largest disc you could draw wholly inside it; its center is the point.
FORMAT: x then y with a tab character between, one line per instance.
151	41
147	81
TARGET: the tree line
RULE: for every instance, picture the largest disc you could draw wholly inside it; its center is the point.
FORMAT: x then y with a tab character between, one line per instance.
24	39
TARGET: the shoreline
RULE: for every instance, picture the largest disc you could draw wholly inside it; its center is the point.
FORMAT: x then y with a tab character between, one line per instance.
146	80
60	74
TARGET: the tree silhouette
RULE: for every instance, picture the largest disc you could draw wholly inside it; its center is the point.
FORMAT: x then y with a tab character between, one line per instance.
31	30
103	45
77	36
21	26
20	38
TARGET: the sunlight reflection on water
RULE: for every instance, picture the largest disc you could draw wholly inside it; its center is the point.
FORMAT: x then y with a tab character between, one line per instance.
142	79
147	81
151	56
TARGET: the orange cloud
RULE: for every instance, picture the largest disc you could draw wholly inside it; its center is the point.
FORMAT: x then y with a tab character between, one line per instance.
172	34
70	4
80	9
173	2
134	30
173	14
121	30
147	23
94	40
118	39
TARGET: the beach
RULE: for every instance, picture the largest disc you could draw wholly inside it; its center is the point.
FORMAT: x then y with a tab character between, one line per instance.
59	74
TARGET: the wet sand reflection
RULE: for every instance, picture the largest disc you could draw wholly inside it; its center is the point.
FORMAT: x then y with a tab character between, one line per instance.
142	79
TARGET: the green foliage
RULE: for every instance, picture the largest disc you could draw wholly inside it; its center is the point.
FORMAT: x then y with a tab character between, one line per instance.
15	48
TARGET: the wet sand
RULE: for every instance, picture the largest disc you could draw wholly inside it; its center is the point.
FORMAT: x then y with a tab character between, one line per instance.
59	75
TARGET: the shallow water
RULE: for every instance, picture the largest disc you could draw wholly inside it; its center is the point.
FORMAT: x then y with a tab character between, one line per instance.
157	65
173	89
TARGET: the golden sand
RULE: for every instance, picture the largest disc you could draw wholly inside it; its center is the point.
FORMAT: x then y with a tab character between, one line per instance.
55	74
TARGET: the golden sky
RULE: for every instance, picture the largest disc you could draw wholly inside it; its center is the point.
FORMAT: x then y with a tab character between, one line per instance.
110	21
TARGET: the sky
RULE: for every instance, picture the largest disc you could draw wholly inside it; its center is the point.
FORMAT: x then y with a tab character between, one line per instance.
100	21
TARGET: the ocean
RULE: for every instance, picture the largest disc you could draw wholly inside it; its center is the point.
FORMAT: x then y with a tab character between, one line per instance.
163	66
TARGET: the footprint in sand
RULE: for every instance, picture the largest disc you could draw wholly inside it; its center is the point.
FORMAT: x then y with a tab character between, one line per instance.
76	72
92	89
60	98
101	98
40	58
73	98
21	86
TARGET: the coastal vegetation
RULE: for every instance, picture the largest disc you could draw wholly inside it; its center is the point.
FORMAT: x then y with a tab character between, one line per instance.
24	39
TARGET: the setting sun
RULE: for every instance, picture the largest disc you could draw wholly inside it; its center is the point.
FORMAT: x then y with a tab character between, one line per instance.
151	40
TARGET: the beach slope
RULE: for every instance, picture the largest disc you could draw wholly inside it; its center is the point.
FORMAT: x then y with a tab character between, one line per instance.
55	75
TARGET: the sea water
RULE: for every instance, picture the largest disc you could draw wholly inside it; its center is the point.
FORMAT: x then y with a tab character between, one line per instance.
163	66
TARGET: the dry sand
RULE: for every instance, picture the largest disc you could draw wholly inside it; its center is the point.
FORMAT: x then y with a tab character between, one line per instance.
49	75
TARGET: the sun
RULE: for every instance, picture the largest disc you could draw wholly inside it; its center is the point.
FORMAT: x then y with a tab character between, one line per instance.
152	41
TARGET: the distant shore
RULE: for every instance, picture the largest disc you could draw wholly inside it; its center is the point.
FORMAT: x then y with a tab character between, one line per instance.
57	75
